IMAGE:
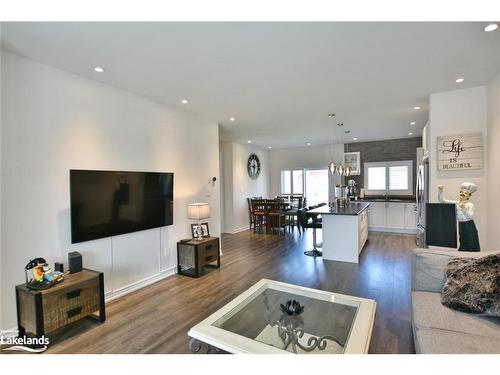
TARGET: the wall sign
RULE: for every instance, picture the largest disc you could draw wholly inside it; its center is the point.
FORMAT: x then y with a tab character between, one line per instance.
460	152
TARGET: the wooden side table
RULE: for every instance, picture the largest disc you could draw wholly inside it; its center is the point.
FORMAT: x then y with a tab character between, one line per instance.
40	312
194	255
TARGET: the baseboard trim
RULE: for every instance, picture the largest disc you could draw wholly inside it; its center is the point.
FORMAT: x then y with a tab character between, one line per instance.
241	229
392	230
110	296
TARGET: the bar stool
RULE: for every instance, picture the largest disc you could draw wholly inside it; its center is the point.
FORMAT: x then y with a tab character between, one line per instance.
305	223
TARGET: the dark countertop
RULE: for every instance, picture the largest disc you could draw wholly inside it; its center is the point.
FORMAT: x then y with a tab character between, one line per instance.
354	208
389	200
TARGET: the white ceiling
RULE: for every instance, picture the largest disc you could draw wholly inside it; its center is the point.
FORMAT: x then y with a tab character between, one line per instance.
279	80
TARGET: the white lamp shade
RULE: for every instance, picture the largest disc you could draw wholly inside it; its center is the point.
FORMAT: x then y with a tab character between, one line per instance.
198	211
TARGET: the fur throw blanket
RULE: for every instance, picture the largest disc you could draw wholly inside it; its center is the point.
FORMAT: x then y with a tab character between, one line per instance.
473	285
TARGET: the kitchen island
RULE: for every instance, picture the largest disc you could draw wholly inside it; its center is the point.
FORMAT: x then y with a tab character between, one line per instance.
345	230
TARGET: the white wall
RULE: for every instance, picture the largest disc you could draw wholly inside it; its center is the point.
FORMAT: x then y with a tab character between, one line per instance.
1	254
54	121
238	186
494	162
310	157
459	112
227	186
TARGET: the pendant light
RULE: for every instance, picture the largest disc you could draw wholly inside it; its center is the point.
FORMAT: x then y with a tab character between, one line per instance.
333	167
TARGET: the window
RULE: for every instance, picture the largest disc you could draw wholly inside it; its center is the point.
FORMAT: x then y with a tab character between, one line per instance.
393	178
376	178
316	186
286	182
297	180
292	181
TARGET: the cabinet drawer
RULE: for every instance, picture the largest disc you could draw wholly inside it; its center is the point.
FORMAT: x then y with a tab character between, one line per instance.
69	305
208	253
209	247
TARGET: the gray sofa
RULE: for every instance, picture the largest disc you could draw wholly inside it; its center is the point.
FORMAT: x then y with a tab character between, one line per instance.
438	329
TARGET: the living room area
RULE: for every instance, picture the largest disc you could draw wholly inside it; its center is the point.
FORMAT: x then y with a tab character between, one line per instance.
249	188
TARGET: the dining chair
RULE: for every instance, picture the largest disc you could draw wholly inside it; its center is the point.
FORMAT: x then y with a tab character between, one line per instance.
259	212
276	215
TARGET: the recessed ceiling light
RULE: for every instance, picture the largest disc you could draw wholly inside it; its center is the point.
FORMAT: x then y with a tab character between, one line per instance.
308	143
269	147
249	141
184	101
412	123
410	133
459	80
347	131
355	139
232	119
331	115
98	69
417	107
491	27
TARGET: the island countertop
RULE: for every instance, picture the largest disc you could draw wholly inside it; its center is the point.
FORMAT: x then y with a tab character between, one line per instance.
353	208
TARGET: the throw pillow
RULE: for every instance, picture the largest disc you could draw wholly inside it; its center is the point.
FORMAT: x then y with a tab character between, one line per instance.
473	285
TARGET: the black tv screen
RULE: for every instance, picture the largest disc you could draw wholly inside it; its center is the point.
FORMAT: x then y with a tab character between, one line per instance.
109	203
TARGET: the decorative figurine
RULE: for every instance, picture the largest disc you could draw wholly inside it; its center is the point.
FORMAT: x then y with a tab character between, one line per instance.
469	240
292	307
42	278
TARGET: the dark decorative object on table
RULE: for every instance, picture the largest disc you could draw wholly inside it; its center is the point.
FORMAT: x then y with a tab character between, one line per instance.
75	262
292	307
473	285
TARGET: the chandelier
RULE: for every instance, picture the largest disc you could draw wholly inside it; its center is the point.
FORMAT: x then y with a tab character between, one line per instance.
337	168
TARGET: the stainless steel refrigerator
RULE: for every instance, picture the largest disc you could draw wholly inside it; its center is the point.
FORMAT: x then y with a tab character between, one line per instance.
422	194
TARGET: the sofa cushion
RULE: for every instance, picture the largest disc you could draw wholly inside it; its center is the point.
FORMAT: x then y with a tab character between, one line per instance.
429	267
437	341
428	312
473	285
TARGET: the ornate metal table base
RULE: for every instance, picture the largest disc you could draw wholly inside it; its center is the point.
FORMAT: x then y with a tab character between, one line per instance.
199	347
290	335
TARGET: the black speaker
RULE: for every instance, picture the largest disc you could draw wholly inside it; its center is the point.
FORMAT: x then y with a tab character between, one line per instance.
59	267
74	262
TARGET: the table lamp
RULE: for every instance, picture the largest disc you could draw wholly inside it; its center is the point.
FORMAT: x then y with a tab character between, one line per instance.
198	211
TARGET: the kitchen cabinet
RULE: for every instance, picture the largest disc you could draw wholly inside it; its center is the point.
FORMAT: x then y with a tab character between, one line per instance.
411	216
395	215
398	217
376	214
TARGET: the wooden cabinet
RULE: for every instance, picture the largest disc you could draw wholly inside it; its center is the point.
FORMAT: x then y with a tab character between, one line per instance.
80	295
194	255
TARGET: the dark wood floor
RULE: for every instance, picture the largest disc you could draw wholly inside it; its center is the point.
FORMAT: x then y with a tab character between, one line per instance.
156	319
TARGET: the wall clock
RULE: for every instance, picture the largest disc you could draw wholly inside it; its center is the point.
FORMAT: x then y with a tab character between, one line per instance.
253	166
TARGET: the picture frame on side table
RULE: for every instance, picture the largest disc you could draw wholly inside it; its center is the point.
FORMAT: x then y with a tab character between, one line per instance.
205	231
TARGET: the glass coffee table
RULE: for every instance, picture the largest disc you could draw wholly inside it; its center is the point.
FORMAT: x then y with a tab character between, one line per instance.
275	317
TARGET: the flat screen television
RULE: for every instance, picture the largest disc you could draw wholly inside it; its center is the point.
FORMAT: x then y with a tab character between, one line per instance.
109	203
